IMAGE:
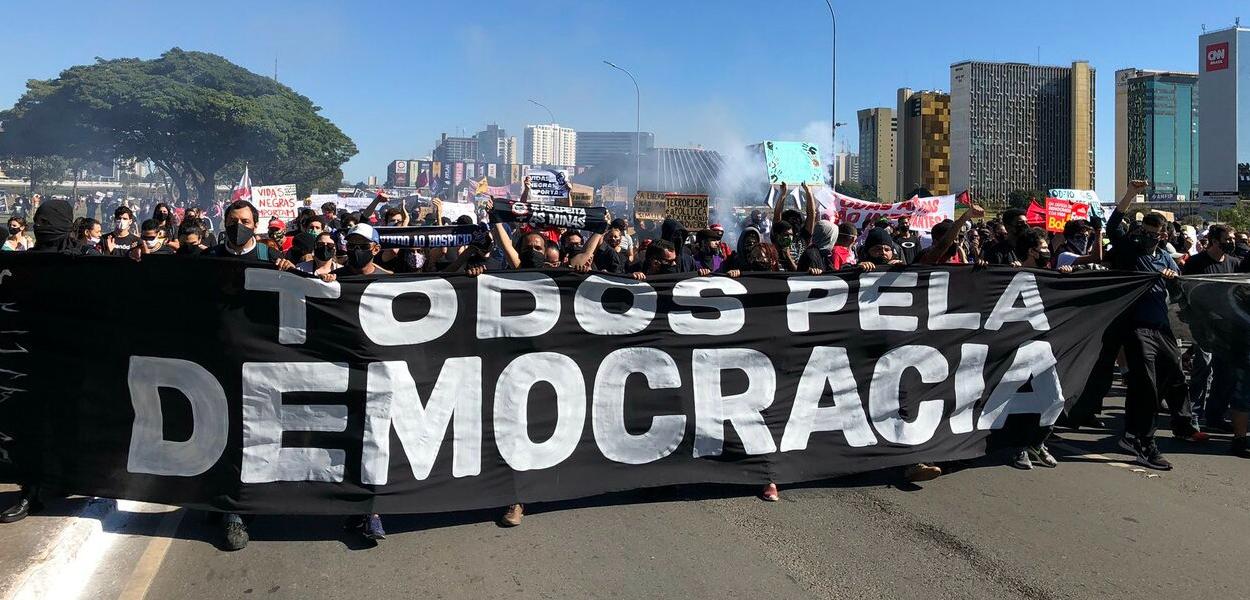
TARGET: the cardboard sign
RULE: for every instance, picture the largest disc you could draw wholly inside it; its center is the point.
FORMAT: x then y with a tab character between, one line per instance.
923	213
275	201
688	209
649	206
793	163
1059	212
548	187
454	210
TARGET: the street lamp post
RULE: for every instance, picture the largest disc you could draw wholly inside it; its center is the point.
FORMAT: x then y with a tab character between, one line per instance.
637	125
833	70
544	106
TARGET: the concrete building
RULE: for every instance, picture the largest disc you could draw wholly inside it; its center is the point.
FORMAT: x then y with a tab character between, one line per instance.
1016	126
594	147
551	145
494	146
922	145
1157	115
1224	78
450	149
876	152
845	167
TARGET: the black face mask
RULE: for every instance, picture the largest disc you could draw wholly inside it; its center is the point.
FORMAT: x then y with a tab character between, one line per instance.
323	253
14	230
237	234
1228	247
359	258
572	249
1145	243
532	259
1043	257
188	249
665	268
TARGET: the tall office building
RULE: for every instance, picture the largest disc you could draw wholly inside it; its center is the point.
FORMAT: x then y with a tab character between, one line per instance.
1160	128
494	146
876	151
594	147
922	145
1224	78
1016	126
845	167
550	145
451	149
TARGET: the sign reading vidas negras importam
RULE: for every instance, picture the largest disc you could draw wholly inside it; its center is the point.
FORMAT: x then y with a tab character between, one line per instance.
423	393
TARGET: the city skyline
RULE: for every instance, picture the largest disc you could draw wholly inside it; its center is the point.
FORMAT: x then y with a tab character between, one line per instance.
707	78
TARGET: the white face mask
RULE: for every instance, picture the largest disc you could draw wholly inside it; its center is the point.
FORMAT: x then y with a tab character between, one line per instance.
93	241
121	225
152	244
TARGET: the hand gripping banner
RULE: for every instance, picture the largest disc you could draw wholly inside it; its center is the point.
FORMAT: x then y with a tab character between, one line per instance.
208	383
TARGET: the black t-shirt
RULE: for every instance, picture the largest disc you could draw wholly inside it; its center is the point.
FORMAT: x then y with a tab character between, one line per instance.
609	260
220	250
999	252
122	244
1202	264
812	257
908	246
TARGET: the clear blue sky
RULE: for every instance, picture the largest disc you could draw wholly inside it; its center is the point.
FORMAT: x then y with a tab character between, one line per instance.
395	74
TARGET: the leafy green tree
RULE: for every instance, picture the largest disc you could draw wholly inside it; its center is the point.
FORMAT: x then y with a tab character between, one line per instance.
38	170
193	114
1020	199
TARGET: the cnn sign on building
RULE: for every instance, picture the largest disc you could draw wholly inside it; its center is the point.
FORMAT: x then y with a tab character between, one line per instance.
1217	56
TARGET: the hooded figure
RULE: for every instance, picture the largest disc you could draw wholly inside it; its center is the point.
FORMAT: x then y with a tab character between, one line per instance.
819	254
753	253
824	235
673	231
54	222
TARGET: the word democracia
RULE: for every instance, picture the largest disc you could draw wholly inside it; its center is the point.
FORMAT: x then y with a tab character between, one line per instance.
393	402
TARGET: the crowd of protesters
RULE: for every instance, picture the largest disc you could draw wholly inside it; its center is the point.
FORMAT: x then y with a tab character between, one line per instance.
329	243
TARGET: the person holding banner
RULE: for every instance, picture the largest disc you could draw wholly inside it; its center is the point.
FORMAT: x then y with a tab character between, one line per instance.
1150	347
818	257
1082	245
323	263
802	225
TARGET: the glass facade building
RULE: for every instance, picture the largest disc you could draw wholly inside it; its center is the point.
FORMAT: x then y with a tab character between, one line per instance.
1162	115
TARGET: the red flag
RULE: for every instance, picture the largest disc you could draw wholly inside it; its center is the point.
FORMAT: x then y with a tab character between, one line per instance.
963	200
243	191
1036	214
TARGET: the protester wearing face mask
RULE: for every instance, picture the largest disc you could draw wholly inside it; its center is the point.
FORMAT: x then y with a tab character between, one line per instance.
571	244
946	249
801	223
191	239
323	258
151	240
1032	249
16	241
1149	344
240	238
164	217
89	235
753	255
707	250
878	250
1082	244
818	257
842	255
660	259
329	215
782	236
611	256
1002	248
673	231
362	245
277	239
121	240
1214	373
627	241
908	241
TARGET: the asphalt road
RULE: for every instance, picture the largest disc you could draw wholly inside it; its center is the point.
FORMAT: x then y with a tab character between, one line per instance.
1092	528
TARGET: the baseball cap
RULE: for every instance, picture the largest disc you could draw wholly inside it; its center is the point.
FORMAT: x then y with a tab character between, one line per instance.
276	223
364	230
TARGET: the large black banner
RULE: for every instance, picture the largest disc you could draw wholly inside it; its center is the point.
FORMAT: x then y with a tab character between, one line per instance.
209	383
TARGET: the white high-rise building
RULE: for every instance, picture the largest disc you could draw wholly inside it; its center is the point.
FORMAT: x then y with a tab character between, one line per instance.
845	167
1224	143
550	145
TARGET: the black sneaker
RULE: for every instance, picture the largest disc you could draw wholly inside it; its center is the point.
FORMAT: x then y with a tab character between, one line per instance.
1129	443
1148	455
1239	448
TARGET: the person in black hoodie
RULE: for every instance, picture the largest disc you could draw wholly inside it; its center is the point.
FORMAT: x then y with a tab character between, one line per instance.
673	232
753	255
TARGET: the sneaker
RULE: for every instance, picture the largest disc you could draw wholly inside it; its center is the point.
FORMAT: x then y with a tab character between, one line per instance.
512	517
1192	436
922	472
1021	461
1129	443
770	494
1148	455
1239	448
371	528
1041	455
235	532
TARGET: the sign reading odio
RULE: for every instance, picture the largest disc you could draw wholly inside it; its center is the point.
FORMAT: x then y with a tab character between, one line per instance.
455	401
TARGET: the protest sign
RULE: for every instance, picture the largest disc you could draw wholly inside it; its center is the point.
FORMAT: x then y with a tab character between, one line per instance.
548	187
1088	197
275	201
793	163
649	206
688	209
1059	212
429	392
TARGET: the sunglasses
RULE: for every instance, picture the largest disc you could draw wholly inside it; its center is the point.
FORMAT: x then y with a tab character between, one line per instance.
330	245
360	246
